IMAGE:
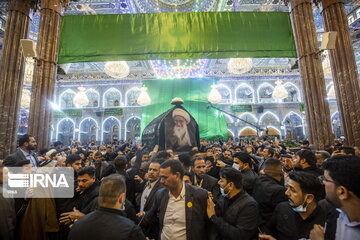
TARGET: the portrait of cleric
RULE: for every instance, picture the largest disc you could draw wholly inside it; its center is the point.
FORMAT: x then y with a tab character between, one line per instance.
180	131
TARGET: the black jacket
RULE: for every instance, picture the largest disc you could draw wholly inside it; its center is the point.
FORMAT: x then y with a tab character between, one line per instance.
268	192
286	224
195	211
249	177
236	218
18	156
210	184
105	224
84	200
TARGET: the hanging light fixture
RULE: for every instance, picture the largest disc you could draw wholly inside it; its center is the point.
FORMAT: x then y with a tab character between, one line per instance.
81	99
118	69
214	95
239	65
144	98
25	99
280	91
331	93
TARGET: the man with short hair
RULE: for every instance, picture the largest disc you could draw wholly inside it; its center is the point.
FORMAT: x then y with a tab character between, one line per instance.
268	152
244	163
305	160
73	161
108	222
321	156
175	204
27	144
201	179
100	165
341	179
294	219
344	150
235	215
268	190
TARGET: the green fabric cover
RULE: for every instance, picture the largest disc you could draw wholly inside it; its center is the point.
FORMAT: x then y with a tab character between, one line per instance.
179	35
194	92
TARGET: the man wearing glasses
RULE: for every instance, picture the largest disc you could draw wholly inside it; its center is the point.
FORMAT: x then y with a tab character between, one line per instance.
341	179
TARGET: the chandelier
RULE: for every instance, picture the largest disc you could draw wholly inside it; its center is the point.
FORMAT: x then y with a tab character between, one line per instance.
25	98
214	95
177	68
144	98
81	99
118	69
280	91
239	65
29	70
331	93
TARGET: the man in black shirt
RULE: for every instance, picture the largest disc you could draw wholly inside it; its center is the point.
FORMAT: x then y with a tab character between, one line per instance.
294	219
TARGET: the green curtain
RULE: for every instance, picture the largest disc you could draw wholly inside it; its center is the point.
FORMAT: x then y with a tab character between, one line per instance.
194	92
180	35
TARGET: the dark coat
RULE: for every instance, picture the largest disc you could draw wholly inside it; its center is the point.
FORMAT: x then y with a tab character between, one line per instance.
210	184
286	224
105	224
195	211
249	177
17	157
239	220
84	201
268	192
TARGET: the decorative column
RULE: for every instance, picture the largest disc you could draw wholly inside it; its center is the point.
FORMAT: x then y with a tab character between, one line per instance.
344	69
45	71
312	75
12	72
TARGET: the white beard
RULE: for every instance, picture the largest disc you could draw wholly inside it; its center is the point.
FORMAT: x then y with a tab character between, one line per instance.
182	135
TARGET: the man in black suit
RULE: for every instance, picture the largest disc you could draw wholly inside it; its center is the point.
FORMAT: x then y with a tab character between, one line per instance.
27	144
181	208
201	179
108	221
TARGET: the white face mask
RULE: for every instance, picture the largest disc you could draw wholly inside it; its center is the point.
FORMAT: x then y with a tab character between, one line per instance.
103	153
301	208
236	166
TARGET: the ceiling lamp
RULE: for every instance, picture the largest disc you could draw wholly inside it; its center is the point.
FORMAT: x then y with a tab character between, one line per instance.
81	99
25	99
144	98
214	95
239	65
331	93
118	69
280	91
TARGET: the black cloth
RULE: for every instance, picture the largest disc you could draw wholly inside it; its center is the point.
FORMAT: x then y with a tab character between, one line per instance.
84	200
313	170
268	192
248	180
7	217
101	169
105	224
286	224
18	156
236	218
210	184
196	216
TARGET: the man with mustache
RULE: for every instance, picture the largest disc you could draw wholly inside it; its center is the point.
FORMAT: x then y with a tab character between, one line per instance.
27	144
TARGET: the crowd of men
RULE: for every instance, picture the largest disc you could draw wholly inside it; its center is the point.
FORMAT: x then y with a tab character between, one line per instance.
222	190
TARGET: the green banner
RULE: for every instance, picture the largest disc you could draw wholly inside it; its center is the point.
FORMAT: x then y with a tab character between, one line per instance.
116	112
242	108
175	35
72	113
194	92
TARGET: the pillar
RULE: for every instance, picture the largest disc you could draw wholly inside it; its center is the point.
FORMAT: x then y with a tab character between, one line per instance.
12	72
344	69
45	71
312	75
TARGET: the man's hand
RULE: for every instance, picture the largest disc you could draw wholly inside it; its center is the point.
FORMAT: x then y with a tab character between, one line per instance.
69	217
220	163
266	237
140	214
317	233
210	208
138	179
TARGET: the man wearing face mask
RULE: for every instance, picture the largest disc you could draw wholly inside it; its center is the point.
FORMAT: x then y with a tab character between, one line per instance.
244	163
27	144
235	215
294	219
108	221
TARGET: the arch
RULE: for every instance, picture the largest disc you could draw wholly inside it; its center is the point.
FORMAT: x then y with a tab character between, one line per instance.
270	114
108	92
65	140
96	131
133	101
248	130
292	95
231	134
103	128
244	85
272	130
61	98
228	119
270	99
126	125
244	117
93	100
223	99
297	131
